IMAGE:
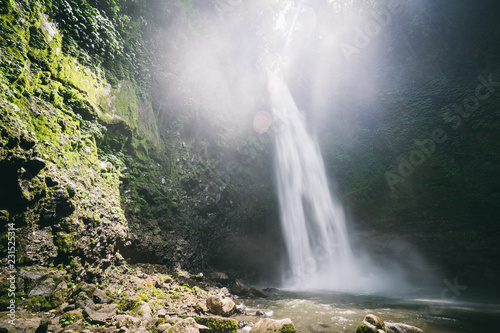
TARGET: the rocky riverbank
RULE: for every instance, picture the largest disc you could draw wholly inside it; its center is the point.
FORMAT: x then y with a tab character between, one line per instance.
130	298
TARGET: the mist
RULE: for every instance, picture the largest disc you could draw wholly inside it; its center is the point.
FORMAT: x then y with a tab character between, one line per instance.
347	65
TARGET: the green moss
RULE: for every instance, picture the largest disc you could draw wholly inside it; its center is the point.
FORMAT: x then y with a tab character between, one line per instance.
127	304
218	325
65	242
40	303
362	328
288	328
6	6
158	293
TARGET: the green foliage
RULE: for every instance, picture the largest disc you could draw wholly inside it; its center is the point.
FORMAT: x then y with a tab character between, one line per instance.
89	28
91	127
65	321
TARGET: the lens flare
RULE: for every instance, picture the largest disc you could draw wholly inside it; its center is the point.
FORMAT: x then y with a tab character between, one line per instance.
262	121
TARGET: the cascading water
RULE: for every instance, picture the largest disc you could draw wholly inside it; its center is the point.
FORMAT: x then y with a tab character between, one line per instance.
313	221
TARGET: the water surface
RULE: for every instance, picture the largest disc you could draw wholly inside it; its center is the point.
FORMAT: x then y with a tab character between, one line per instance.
340	312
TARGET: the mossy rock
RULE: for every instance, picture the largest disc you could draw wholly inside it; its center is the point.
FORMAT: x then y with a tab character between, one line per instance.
271	325
371	324
218	324
73	315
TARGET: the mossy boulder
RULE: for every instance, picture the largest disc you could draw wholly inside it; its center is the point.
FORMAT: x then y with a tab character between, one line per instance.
371	324
374	324
274	326
218	324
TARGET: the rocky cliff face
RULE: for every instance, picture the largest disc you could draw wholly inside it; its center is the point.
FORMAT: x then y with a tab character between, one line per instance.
86	170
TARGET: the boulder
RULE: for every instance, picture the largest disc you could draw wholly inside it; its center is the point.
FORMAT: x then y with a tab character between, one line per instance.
238	288
273	326
256	293
401	328
221	306
371	323
374	324
218	324
187	325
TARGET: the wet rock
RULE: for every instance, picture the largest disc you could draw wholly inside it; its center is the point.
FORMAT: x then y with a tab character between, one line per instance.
187	325
401	328
273	326
256	293
371	323
260	313
221	306
238	288
271	290
243	324
374	324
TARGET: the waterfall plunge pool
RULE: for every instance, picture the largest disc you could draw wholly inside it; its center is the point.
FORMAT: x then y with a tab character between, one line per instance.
331	312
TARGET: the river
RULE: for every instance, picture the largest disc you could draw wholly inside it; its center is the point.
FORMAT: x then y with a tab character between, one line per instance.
328	311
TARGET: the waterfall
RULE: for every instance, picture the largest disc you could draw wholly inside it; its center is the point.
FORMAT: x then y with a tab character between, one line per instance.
312	219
